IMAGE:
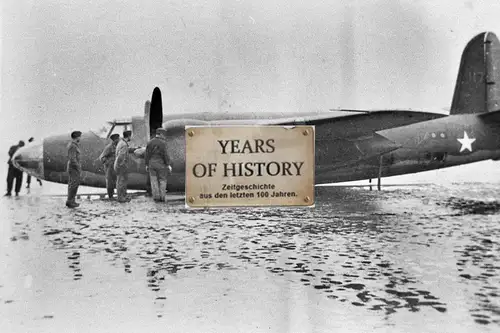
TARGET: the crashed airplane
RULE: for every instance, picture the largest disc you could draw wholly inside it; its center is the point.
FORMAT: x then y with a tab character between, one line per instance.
350	144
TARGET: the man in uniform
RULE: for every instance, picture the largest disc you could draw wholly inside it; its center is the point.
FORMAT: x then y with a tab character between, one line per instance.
74	169
108	159
14	173
149	192
121	166
28	178
158	164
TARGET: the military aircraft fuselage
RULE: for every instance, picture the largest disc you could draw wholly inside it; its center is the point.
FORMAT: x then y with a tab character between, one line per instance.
440	143
347	148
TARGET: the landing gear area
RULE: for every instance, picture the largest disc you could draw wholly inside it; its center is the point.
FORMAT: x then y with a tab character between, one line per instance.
379	179
435	157
427	158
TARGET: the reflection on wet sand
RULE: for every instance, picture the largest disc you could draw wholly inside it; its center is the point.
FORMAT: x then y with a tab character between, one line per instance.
375	250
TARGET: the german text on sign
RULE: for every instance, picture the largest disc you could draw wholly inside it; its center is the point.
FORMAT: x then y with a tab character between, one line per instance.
249	166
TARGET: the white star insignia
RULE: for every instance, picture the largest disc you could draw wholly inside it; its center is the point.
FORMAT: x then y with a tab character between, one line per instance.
466	142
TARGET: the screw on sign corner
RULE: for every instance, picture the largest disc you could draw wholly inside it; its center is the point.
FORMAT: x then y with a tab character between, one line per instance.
191	199
307	199
305	132
191	133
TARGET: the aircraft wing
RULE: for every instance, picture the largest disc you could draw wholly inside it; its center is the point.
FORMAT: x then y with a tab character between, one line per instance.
292	120
343	124
347	137
341	137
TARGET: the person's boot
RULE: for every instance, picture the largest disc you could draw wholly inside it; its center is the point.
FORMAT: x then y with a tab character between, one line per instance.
122	199
39	182
8	194
70	204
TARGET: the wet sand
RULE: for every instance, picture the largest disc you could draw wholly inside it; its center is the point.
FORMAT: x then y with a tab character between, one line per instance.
404	259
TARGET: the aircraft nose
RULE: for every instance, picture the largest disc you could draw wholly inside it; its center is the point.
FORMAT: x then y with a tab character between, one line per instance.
30	160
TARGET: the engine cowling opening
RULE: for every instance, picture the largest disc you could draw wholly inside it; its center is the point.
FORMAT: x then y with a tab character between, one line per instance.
176	140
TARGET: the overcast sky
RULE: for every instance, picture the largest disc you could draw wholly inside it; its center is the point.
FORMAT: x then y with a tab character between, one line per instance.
76	64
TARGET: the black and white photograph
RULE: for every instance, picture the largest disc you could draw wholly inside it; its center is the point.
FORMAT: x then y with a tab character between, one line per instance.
250	166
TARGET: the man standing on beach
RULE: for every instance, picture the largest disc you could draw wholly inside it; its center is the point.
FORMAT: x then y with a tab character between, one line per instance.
158	164
107	158
121	166
14	173
74	169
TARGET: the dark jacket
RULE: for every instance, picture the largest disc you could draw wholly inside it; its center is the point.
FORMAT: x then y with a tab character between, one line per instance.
74	156
156	155
12	151
108	155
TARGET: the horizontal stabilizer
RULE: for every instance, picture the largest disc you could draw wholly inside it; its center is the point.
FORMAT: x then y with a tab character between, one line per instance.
351	110
491	117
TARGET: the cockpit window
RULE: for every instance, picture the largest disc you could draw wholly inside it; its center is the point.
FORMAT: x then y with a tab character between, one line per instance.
102	132
107	130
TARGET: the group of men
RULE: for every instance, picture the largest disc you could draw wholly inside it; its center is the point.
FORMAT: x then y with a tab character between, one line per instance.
115	158
14	174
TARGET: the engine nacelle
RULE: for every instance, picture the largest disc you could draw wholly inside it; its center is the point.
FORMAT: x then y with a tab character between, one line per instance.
176	141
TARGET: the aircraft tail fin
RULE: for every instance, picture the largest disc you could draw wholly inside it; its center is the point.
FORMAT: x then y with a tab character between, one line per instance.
477	89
